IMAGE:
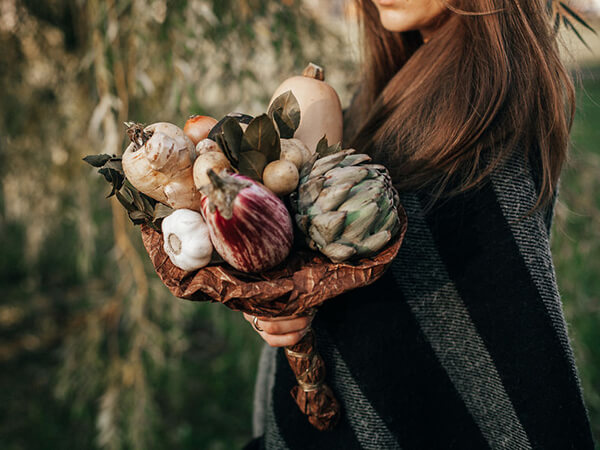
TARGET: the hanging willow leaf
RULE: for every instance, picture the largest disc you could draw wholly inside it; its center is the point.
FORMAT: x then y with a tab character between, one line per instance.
562	14
252	164
569	25
285	111
261	136
576	16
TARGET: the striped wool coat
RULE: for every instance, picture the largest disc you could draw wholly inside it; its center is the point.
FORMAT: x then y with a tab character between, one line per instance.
461	345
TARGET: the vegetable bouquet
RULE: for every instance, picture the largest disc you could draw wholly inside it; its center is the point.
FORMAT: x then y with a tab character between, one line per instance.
262	214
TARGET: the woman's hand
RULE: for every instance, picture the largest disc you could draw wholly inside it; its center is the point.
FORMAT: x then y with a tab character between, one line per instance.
281	331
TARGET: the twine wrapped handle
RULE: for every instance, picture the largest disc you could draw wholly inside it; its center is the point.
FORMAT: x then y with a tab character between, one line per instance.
314	398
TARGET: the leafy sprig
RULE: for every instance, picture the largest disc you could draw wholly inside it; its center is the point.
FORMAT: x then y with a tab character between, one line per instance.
251	150
141	209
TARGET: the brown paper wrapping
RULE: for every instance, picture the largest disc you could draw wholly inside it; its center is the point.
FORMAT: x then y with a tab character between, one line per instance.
304	281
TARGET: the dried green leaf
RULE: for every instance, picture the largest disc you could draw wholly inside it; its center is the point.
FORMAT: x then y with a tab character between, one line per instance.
149	204
322	146
137	200
218	128
116	164
139	217
336	148
261	136
285	111
220	140
232	134
97	160
114	177
123	200
252	164
161	211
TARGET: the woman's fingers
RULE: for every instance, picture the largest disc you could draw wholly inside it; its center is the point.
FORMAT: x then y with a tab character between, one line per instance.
280	325
280	331
283	340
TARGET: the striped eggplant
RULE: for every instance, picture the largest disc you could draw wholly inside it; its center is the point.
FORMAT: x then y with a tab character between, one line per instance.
249	226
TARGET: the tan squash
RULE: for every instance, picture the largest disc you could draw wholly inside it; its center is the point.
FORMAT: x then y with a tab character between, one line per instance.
320	107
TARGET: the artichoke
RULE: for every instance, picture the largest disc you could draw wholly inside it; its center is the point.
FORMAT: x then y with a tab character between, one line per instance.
345	205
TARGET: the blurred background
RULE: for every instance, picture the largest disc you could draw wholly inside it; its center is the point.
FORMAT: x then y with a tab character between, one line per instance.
94	351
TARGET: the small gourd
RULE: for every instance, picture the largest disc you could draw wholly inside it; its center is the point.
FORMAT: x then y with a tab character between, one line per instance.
320	106
187	239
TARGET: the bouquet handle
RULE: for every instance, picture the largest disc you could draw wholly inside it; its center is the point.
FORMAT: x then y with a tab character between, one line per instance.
312	395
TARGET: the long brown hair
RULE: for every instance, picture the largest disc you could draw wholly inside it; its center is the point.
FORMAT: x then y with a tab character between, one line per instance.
446	113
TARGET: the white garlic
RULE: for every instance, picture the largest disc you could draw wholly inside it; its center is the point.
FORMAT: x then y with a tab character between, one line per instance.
187	240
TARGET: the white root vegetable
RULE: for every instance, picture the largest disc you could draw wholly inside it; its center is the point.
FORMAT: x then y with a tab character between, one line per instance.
187	239
295	151
281	177
158	162
207	146
216	161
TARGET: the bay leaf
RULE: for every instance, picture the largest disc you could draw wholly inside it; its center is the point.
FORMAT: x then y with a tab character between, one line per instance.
161	211
97	160
324	149
139	217
334	148
232	134
285	111
114	177
252	164
261	136
322	146
123	200
137	199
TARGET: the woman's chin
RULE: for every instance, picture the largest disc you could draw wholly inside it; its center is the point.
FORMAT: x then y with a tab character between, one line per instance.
397	21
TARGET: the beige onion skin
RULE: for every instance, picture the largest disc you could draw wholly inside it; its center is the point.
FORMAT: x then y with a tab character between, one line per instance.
163	167
320	107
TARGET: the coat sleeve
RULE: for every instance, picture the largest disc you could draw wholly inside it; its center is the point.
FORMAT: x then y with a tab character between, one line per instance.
495	251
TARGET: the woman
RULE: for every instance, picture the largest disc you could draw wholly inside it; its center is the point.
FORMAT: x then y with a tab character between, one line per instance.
462	344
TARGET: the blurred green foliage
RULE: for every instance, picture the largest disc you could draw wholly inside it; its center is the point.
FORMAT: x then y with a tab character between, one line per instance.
94	351
576	241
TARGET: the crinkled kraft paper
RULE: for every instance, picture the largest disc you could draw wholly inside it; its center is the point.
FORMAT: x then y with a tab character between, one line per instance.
303	281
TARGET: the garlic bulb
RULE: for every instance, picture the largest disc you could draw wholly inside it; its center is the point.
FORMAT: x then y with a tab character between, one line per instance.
159	162
187	239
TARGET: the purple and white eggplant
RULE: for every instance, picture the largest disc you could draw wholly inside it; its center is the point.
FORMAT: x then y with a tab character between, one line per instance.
249	226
